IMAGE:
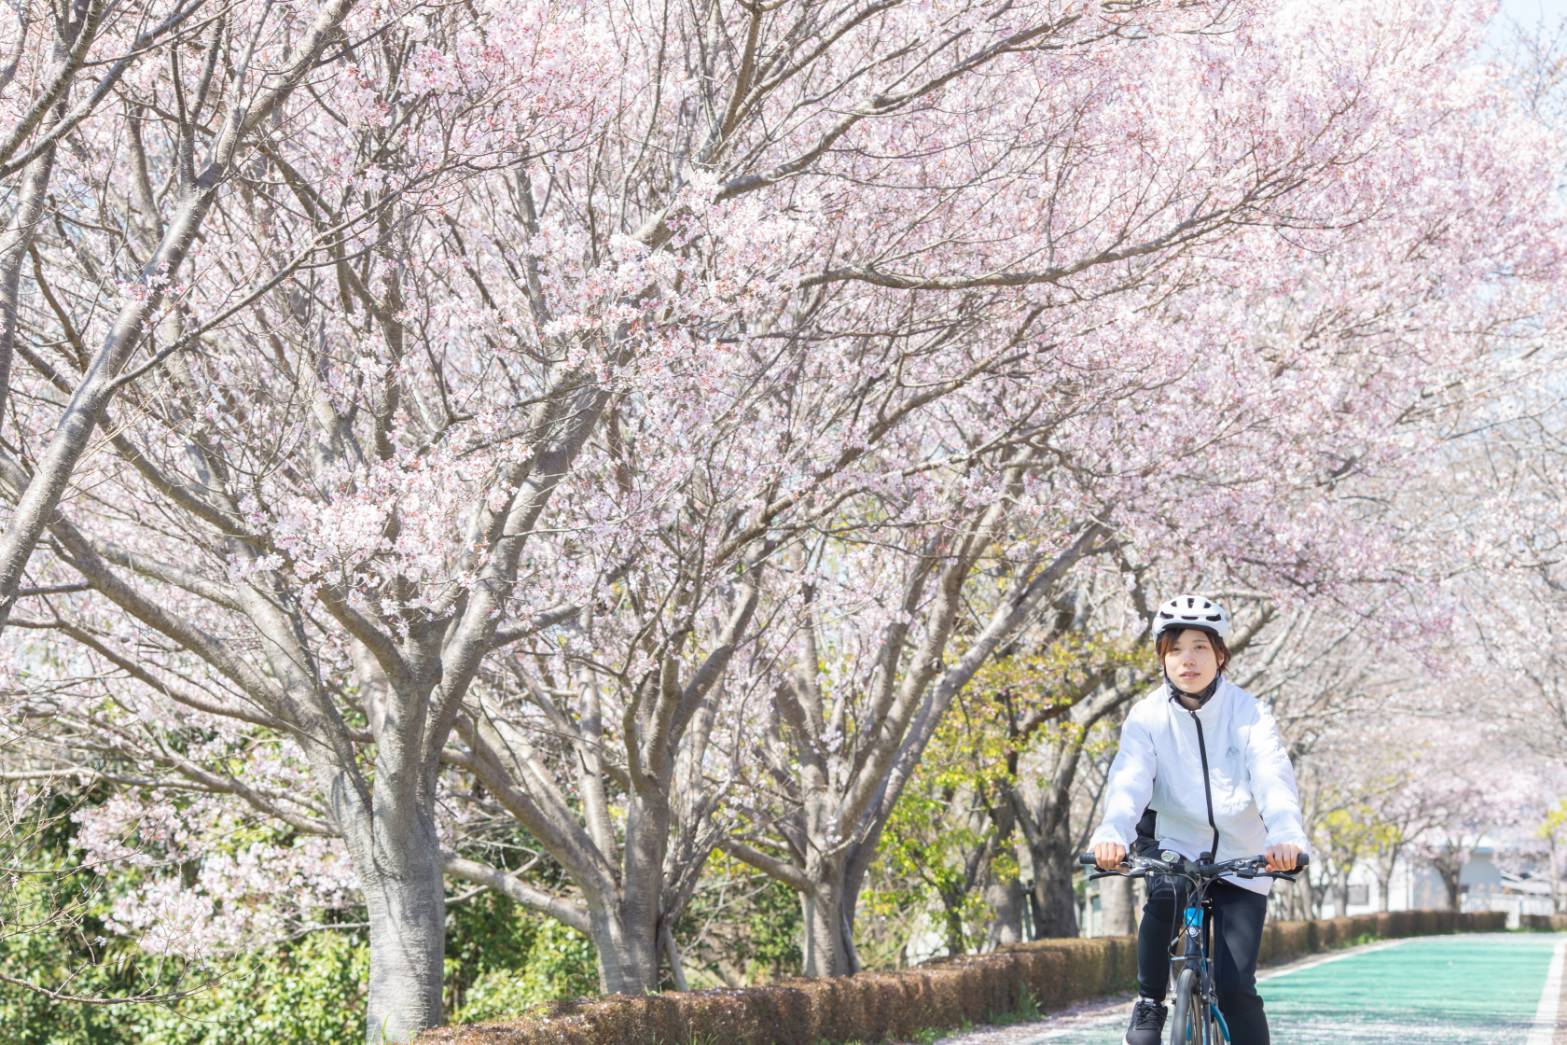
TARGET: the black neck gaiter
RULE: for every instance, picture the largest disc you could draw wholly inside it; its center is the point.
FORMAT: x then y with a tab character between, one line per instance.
1176	692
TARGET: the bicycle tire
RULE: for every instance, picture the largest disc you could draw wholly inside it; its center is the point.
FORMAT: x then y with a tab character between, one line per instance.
1186	1013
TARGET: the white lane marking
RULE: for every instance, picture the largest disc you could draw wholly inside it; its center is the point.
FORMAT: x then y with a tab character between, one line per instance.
1544	1025
1353	952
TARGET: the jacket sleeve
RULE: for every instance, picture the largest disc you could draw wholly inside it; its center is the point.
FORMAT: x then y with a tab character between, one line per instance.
1273	782
1130	785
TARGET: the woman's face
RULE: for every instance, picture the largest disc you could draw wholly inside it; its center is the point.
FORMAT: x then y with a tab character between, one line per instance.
1191	661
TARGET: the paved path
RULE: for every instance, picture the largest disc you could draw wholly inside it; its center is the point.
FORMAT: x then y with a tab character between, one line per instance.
1471	989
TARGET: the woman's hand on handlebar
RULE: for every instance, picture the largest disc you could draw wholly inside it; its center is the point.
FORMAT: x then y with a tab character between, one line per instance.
1283	857
1109	855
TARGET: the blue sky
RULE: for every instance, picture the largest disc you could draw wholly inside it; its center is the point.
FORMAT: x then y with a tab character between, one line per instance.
1530	11
1529	14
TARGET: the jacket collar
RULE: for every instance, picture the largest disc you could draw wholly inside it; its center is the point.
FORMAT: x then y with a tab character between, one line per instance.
1204	699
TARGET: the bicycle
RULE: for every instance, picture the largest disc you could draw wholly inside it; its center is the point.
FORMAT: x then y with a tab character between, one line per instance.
1195	1017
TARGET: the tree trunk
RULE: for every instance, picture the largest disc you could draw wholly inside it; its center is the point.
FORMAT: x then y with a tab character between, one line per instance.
1341	894
1053	900
1387	867
1384	892
1005	899
1556	876
1449	874
829	919
1117	909
952	909
626	925
627	950
1284	904
406	902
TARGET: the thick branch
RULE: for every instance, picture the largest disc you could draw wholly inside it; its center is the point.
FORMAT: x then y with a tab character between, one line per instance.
511	886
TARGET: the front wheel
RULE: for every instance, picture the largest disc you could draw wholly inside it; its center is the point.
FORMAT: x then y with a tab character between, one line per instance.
1186	1015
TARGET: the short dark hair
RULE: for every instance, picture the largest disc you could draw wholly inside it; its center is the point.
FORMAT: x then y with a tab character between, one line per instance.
1167	637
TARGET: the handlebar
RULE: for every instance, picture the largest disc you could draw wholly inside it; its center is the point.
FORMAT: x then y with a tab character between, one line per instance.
1173	863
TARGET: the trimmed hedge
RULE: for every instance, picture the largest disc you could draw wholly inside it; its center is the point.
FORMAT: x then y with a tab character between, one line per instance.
882	1006
1548	922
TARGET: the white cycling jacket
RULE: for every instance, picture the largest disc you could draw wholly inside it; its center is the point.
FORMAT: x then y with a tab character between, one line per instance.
1176	761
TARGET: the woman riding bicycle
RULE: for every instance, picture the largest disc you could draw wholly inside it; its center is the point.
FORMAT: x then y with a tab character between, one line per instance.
1204	756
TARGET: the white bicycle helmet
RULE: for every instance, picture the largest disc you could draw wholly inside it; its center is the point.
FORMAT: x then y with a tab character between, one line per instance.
1192	611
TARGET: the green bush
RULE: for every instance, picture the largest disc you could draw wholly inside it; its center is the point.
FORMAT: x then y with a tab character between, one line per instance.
776	927
560	964
52	936
311	991
485	934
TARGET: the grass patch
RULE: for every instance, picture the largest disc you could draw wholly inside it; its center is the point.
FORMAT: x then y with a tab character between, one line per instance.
1027	1010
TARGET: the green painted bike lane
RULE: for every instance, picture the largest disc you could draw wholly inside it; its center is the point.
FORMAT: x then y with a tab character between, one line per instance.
1434	990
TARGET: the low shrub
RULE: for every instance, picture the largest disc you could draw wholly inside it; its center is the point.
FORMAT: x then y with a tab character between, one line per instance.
878	1006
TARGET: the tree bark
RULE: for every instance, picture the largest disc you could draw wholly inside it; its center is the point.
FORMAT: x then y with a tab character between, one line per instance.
1005	899
1386	868
406	902
629	924
1117	909
1054	902
1046	820
1556	877
828	910
952	920
1449	872
627	950
852	789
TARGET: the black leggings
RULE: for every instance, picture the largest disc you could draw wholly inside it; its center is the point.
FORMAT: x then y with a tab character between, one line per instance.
1237	937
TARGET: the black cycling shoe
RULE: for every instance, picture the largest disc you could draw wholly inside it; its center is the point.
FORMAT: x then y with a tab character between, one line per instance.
1147	1023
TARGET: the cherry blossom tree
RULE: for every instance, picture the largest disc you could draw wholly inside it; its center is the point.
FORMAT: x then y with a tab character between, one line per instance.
359	493
635	426
261	60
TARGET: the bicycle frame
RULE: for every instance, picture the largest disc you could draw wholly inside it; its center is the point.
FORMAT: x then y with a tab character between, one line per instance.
1195	929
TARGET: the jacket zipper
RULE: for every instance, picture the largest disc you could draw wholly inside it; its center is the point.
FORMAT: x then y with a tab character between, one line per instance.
1207	788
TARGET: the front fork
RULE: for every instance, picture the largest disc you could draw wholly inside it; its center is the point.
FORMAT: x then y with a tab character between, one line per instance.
1198	934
